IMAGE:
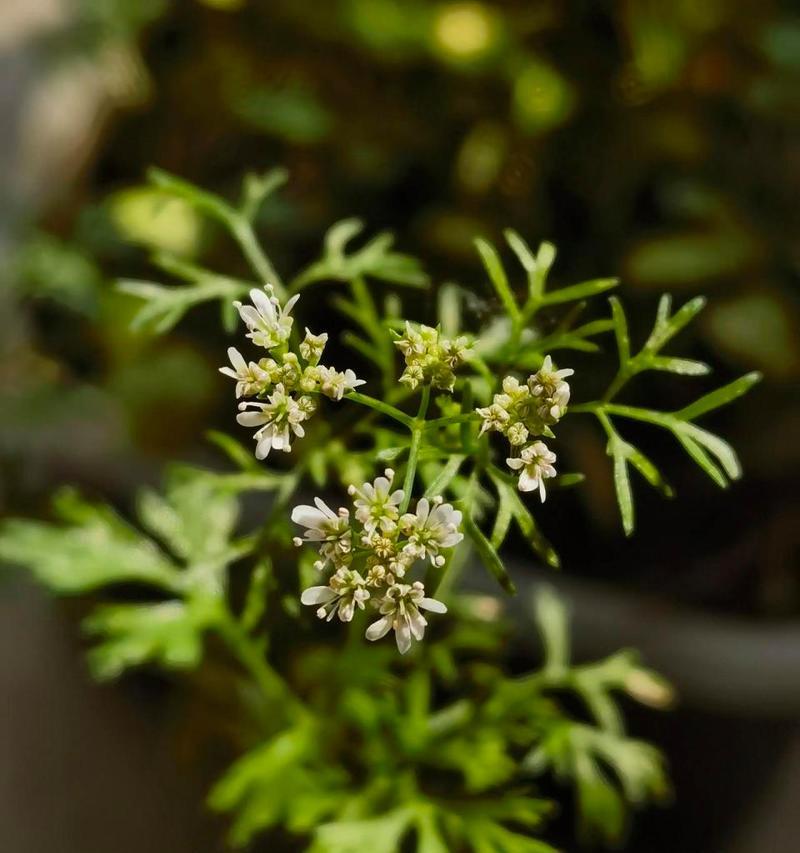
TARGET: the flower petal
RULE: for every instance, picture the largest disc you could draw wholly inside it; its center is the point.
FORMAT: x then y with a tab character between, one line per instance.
237	359
251	419
402	634
308	516
317	595
379	629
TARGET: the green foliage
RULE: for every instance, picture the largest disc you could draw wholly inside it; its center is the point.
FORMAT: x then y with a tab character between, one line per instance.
167	634
346	748
713	454
91	549
375	259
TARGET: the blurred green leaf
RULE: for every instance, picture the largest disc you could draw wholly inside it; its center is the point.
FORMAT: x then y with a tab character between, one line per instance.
375	259
130	635
92	549
278	782
721	397
294	113
165	305
487	553
497	276
381	834
194	518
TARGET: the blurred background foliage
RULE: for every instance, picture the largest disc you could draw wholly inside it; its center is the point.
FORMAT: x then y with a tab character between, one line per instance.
651	139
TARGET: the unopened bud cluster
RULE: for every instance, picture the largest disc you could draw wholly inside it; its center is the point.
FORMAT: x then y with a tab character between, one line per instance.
430	358
371	554
522	413
283	378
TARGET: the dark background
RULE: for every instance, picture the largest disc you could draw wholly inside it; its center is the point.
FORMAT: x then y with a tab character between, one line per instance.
657	141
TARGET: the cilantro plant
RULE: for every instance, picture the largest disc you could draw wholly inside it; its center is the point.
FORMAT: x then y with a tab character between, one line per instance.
442	441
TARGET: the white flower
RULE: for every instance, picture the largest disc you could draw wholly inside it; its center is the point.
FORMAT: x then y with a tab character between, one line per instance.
268	323
376	505
345	591
279	418
429	530
550	390
429	357
535	465
517	434
325	526
312	346
335	384
494	417
399	610
250	378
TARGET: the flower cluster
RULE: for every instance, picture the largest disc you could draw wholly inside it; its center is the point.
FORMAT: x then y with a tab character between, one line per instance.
523	412
371	554
429	357
284	379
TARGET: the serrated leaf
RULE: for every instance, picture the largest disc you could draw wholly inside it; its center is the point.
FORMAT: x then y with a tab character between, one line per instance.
168	634
381	834
194	518
581	753
94	549
277	783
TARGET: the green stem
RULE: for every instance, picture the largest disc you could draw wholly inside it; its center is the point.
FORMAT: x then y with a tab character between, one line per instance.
417	430
250	656
380	406
617	383
600	407
244	235
663	419
452	419
376	330
585	408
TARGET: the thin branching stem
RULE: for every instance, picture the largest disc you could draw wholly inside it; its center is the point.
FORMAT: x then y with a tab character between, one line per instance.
379	406
244	235
417	430
448	420
248	653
